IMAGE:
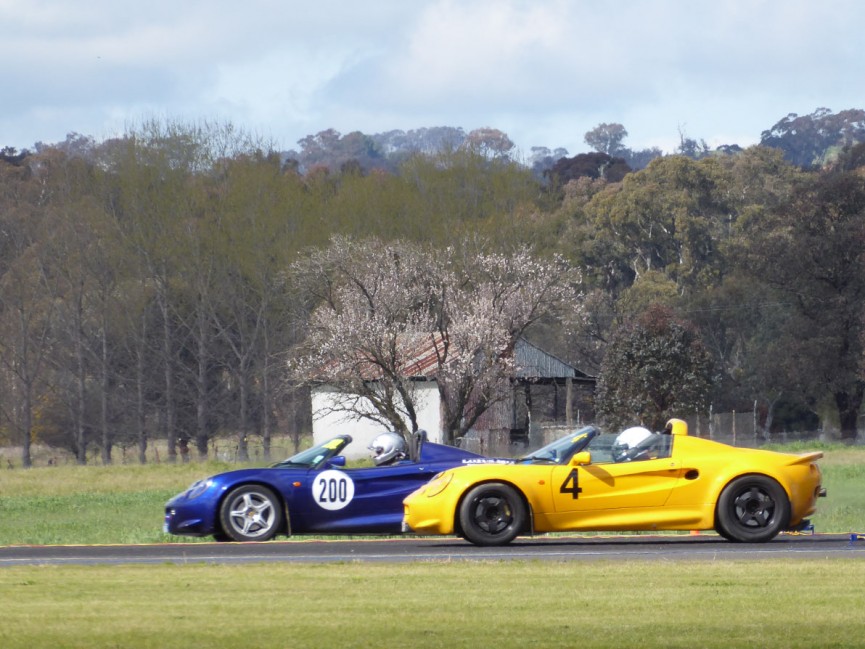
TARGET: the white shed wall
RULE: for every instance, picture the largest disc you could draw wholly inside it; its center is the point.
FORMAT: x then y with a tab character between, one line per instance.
327	424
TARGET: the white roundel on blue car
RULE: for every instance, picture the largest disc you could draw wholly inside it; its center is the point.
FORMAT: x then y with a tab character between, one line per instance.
332	490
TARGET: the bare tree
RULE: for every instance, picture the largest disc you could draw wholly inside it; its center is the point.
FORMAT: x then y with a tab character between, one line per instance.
27	313
26	325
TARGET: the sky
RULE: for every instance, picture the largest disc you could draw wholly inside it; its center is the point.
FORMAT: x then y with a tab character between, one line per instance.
543	71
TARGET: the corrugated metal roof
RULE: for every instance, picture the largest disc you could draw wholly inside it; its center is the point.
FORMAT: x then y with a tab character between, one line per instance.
531	361
534	363
421	354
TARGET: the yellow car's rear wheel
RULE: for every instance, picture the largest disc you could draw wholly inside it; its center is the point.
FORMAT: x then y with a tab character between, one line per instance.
492	514
752	509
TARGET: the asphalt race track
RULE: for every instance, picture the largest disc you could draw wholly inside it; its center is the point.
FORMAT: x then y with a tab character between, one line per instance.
660	548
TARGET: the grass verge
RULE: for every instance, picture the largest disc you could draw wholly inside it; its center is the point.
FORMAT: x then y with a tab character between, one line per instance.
768	604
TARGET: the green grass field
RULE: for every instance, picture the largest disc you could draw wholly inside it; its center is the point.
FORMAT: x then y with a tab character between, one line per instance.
783	604
624	603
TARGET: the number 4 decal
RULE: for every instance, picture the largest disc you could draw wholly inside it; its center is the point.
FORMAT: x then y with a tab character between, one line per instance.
571	485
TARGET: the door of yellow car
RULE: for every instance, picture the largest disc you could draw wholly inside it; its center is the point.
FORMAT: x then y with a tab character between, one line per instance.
614	485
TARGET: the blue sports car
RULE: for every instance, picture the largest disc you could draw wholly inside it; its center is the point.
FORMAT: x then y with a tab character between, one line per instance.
309	493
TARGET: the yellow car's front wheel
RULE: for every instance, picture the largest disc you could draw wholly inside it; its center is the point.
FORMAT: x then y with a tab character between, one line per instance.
492	514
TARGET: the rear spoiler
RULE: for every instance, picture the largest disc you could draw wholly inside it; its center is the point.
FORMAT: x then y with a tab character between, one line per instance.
806	458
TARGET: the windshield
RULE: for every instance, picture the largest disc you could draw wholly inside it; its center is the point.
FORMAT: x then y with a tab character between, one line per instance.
604	449
317	455
560	451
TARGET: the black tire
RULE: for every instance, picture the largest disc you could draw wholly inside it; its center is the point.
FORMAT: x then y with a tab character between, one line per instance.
492	514
752	509
723	532
250	513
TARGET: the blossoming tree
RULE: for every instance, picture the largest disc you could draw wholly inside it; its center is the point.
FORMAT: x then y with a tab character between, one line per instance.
386	314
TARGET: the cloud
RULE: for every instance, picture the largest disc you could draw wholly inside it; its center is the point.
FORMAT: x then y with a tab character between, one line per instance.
482	54
545	71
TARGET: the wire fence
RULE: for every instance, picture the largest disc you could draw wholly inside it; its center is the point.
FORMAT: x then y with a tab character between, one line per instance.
743	429
736	429
223	449
733	428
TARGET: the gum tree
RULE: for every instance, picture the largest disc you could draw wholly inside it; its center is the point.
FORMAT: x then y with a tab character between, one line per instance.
655	368
811	252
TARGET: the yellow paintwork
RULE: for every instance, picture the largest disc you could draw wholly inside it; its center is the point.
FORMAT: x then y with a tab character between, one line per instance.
679	492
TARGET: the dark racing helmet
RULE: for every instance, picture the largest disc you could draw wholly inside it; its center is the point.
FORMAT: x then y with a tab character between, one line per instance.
388	447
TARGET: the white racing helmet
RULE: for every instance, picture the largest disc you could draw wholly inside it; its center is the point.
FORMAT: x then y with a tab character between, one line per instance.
387	447
627	441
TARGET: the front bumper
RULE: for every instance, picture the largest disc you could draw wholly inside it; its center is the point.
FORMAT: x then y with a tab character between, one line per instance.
176	522
186	517
423	515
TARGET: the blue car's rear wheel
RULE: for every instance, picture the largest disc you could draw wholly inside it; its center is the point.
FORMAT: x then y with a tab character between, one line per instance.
752	509
250	513
492	514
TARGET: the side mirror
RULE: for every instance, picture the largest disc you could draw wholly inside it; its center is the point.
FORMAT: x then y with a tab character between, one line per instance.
336	460
581	458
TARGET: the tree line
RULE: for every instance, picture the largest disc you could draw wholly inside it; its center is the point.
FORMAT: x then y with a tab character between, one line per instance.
156	285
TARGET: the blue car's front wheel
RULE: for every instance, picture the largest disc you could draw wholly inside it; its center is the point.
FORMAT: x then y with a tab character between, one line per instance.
250	513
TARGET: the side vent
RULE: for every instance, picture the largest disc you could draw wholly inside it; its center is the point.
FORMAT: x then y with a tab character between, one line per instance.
693	474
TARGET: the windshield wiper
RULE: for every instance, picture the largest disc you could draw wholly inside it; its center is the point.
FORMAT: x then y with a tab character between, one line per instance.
538	458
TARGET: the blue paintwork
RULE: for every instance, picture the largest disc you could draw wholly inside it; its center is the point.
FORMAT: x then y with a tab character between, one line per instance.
375	508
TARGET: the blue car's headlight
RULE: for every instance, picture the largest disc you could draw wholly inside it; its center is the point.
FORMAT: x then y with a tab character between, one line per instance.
198	488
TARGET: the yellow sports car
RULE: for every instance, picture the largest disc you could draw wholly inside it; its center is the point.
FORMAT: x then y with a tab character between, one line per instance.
634	480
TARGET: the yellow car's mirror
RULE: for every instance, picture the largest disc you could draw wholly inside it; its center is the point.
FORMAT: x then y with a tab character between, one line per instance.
583	457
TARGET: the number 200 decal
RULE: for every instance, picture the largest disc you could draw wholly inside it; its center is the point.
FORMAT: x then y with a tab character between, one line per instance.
332	490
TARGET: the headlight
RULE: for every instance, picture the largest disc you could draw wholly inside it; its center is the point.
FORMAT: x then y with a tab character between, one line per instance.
198	488
438	484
